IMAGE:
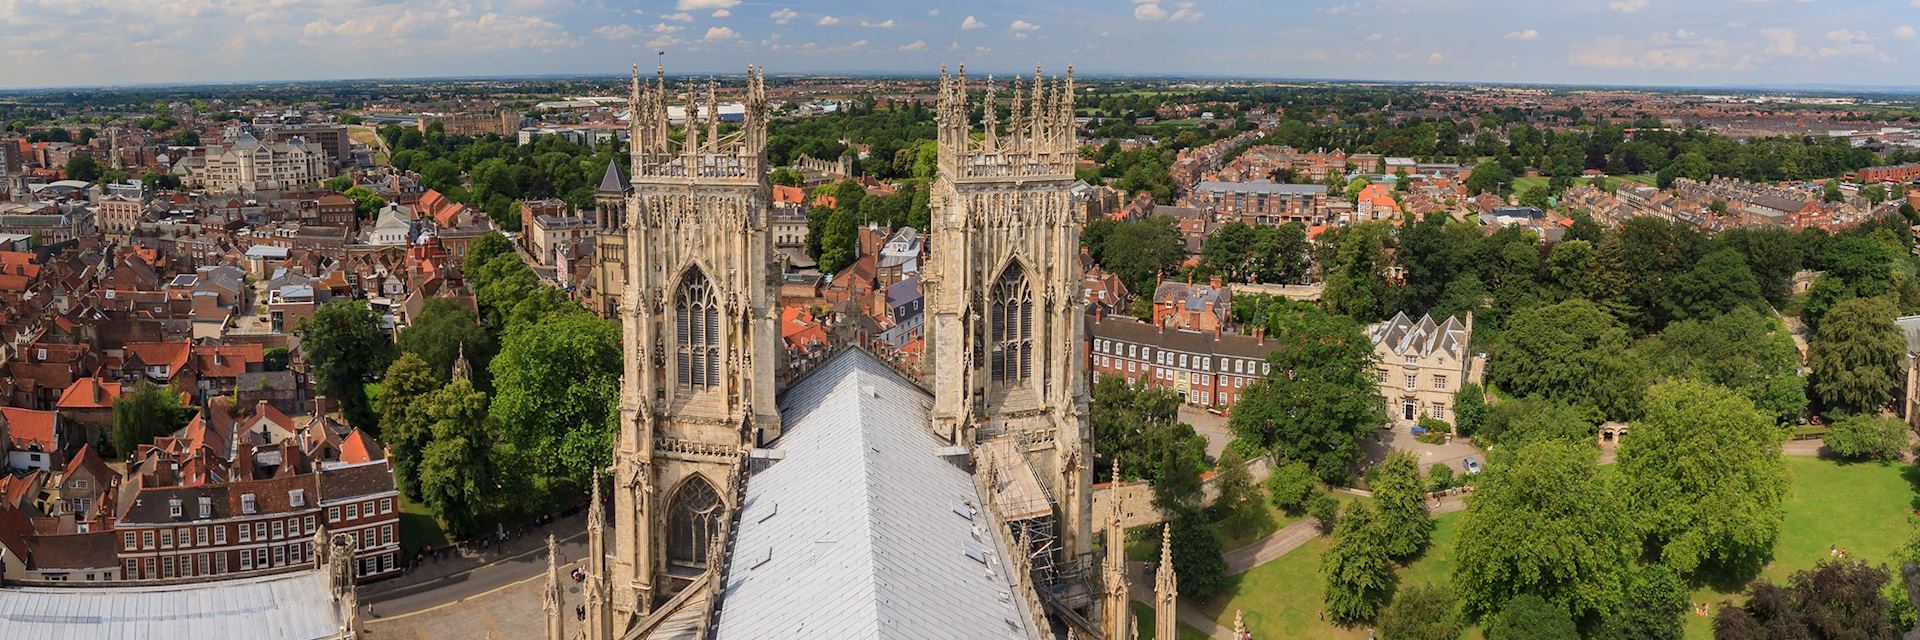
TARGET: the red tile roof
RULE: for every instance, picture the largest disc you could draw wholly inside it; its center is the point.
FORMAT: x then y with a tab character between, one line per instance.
360	447
89	460
30	427
89	393
784	195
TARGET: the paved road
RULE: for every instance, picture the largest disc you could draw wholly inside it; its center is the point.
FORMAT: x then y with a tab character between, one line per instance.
402	596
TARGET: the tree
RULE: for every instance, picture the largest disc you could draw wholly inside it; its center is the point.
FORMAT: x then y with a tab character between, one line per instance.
1719	283
1874	193
1318	397
1290	485
1138	251
1357	567
1772	254
1544	523
1855	356
1399	494
1233	484
1530	617
786	177
1139	430
1743	350
1863	436
343	343
1830	192
1704	481
145	412
405	426
1555	350
1654	608
1356	280
443	331
1197	558
1531	419
1420	612
1323	508
366	203
1439	477
557	384
456	470
1837	599
83	167
186	138
1490	177
1469	409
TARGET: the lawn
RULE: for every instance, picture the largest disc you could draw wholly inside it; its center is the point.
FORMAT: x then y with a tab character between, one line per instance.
1858	507
417	527
1522	184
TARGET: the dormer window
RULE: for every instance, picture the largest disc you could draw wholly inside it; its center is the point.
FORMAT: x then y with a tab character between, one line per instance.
297	498
248	505
206	507
173	507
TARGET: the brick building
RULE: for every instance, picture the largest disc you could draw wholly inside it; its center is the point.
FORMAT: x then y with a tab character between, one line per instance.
1206	368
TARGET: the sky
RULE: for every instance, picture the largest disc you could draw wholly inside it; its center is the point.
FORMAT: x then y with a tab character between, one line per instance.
1636	42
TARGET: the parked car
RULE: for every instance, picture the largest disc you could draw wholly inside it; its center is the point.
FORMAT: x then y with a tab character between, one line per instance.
1473	466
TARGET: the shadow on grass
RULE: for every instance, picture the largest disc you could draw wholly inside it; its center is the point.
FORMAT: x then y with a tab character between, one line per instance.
1911	473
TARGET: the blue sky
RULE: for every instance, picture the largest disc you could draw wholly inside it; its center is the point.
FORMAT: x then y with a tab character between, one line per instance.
1651	42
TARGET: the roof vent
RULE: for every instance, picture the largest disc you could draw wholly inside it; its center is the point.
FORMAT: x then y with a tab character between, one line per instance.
759	557
974	551
772	510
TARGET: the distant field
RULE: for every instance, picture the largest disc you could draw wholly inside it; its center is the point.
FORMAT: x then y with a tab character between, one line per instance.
1522	184
367	136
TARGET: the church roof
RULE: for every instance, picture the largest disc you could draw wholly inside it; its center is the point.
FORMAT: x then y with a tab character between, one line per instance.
611	182
296	606
862	516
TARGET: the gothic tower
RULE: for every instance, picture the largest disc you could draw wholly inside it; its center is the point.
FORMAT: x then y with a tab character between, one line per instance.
609	241
1116	618
1008	332
699	332
1166	590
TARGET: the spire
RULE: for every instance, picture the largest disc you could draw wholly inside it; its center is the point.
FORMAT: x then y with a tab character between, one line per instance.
611	182
990	120
461	370
1166	589
1119	616
1017	115
599	607
713	114
550	600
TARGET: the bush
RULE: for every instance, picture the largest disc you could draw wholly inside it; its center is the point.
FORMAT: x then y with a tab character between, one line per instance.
1439	477
1323	508
1530	617
1469	409
1434	425
1290	487
1867	437
1420	612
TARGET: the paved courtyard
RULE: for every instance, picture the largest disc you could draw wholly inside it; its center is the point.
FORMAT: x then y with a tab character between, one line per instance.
1451	454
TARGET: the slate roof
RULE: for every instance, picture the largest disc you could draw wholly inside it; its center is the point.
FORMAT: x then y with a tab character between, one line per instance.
1210	186
611	182
291	606
1403	335
861	516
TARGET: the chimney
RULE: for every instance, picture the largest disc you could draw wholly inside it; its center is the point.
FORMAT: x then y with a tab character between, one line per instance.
1260	335
1215	281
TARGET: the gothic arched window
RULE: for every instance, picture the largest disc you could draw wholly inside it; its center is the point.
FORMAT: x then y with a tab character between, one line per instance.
696	330
693	521
1010	311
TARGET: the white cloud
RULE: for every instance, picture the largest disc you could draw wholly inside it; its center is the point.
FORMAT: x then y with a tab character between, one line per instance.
1627	6
884	24
666	28
916	45
936	11
1436	57
703	5
616	32
1184	12
720	33
721	13
828	21
1782	41
1903	32
678	17
1021	25
971	23
1844	36
1339	9
1684	34
1149	11
783	16
663	42
1374	37
953	46
982	50
1529	34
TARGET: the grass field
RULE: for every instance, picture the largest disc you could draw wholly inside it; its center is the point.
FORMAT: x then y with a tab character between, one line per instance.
417	527
1522	184
1859	507
368	136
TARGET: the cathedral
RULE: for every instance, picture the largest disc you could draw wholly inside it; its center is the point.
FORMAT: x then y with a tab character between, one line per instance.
854	502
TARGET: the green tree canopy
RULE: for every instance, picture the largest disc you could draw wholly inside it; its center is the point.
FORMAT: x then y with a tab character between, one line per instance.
146	411
1855	356
456	470
1530	617
1399	495
1719	283
557	385
1556	350
1420	612
346	347
1318	398
1866	437
1703	480
1543	523
1197	559
405	426
1357	567
442	332
1654	609
1742	350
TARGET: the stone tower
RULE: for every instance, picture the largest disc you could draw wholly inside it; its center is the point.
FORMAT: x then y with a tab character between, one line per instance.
1007	335
699	331
609	241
